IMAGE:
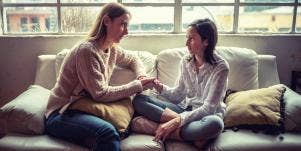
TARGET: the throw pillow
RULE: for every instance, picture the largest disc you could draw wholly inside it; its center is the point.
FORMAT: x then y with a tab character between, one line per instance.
25	114
292	102
255	107
118	113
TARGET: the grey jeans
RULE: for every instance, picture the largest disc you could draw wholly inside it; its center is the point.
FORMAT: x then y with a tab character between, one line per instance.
152	108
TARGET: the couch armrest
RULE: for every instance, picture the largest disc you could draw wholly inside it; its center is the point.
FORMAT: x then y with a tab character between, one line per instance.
267	71
45	73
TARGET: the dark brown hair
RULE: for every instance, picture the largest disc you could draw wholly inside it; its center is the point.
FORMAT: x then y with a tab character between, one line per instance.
207	31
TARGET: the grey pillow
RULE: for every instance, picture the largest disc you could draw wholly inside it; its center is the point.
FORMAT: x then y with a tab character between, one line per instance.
292	110
25	114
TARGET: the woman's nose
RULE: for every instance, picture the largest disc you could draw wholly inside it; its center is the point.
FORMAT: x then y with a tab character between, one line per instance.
125	31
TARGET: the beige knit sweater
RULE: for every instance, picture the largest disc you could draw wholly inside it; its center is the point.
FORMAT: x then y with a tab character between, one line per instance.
86	72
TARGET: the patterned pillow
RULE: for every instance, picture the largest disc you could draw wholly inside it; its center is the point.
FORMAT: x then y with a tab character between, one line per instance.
255	108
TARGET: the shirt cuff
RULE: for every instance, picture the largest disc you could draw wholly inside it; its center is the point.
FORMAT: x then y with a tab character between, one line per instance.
183	117
164	89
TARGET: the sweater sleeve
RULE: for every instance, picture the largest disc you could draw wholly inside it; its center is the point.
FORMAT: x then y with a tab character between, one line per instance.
131	60
177	93
90	69
216	91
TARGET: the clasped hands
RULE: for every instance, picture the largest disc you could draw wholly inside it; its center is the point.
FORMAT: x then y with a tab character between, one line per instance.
150	83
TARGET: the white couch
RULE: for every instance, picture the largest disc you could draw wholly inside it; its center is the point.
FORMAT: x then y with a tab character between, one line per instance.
248	70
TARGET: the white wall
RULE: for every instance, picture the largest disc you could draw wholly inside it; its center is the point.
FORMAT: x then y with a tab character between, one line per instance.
18	54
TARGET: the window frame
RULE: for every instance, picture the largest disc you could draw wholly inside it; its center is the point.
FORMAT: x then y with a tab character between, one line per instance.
177	5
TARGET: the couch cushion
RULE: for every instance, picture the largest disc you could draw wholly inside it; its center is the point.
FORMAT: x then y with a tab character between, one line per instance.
255	107
292	110
141	142
173	145
45	73
245	140
25	114
128	75
243	63
13	142
267	71
118	113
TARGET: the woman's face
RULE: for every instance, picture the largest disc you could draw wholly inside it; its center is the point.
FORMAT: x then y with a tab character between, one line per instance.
117	28
194	42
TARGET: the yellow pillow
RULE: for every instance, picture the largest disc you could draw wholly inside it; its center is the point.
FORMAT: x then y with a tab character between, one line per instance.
118	113
255	107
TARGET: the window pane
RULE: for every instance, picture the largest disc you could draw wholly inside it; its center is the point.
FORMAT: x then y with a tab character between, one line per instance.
150	19
29	1
268	1
148	1
298	20
265	19
87	1
30	19
78	19
207	1
221	15
1	32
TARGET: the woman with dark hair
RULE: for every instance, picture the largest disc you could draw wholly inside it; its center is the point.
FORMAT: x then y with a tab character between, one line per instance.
85	72
195	109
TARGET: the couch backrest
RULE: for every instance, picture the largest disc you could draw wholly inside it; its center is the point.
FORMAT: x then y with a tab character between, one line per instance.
243	67
243	63
48	68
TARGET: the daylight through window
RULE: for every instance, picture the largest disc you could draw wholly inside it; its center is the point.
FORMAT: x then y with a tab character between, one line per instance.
152	16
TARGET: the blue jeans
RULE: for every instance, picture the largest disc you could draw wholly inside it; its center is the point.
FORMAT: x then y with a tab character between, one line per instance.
206	128
83	129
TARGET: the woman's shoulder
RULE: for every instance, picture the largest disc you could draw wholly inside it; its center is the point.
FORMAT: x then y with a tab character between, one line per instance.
220	62
84	47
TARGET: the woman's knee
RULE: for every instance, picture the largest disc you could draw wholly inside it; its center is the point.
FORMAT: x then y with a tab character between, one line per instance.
107	133
139	100
215	122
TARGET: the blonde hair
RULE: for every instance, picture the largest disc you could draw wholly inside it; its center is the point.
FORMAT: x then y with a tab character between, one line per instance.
112	10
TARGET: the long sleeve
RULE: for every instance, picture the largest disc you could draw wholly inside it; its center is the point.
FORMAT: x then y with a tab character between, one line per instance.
216	91
131	60
177	93
92	70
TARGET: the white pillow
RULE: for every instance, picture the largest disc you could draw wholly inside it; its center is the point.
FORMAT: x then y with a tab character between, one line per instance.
243	66
25	114
168	65
45	73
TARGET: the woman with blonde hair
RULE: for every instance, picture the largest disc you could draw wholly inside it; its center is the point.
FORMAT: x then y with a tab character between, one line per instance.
85	72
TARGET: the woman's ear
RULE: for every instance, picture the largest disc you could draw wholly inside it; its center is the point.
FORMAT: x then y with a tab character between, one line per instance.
106	20
205	42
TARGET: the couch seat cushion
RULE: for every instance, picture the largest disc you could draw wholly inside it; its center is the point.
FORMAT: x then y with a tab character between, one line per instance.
246	140
173	145
141	142
12	142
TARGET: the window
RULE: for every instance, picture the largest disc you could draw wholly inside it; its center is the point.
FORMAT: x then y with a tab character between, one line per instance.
35	25
24	24
152	16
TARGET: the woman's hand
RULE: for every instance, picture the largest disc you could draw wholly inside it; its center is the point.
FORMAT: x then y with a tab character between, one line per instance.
147	82
164	130
158	85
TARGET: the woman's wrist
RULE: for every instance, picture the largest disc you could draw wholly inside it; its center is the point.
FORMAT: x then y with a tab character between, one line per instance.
141	77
